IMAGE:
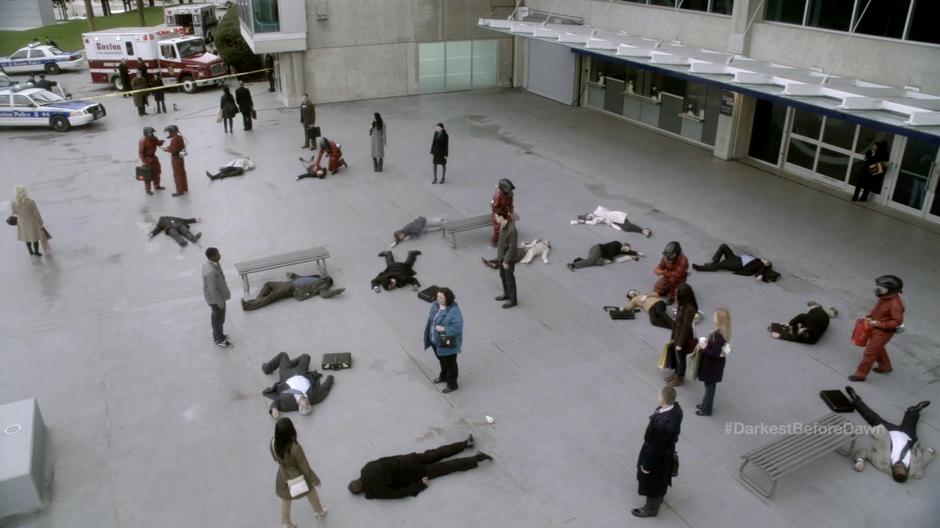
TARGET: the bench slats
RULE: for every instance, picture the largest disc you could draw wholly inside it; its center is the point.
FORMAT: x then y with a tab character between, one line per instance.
791	452
453	227
317	254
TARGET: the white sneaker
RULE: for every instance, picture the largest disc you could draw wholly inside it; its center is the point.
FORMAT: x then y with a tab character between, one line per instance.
859	464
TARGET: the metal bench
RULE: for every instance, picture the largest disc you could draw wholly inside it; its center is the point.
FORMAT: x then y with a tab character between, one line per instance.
786	454
451	228
317	254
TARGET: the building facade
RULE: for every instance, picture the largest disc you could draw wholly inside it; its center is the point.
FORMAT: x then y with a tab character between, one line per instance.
342	51
25	14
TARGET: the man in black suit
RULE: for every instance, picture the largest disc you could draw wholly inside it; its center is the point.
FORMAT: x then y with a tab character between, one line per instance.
506	247
655	464
245	104
308	118
176	228
396	274
269	64
743	264
401	476
806	327
298	388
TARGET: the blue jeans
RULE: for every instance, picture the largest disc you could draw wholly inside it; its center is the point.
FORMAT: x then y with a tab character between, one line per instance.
218	319
709	398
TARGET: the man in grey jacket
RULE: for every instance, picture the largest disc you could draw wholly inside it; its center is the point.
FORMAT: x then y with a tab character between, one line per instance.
215	290
506	247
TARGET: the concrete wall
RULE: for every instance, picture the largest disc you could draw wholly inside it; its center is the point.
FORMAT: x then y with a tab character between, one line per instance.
893	62
24	14
380	39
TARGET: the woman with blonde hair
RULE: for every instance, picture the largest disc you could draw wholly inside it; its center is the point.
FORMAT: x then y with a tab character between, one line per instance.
294	479
29	224
713	350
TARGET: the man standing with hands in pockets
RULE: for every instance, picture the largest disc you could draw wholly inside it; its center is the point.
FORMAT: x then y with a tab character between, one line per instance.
506	247
215	290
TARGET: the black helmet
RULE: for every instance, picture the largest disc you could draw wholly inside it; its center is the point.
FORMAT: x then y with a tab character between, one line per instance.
149	131
172	129
672	250
888	284
506	186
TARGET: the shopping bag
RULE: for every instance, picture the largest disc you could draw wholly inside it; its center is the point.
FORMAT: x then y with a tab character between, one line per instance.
664	356
218	116
861	333
692	362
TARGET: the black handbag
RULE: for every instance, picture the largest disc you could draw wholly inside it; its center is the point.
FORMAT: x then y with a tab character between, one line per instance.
11	220
446	341
675	464
144	173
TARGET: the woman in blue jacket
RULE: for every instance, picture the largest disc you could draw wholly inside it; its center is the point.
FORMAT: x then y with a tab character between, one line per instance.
445	327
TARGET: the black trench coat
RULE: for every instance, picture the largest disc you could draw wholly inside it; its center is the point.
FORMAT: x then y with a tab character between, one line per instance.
659	445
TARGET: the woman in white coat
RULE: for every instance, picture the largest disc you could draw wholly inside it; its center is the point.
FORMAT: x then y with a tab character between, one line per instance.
377	132
615	219
29	224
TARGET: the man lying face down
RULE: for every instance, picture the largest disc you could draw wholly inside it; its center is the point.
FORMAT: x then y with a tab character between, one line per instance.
300	287
396	274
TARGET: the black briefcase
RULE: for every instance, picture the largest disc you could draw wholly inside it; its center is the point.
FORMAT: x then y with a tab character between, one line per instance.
341	360
837	401
144	173
428	294
617	314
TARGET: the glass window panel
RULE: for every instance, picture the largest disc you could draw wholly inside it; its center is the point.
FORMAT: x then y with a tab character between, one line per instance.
807	124
695	5
694	98
431	67
767	131
458	66
924	21
867	136
935	208
830	14
838	133
832	164
884	18
484	63
723	7
801	153
915	169
265	16
789	11
674	85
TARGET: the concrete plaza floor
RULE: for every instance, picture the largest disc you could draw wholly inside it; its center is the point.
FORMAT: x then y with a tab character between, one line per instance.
152	425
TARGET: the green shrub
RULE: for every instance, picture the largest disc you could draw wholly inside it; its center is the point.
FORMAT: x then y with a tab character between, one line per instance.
232	47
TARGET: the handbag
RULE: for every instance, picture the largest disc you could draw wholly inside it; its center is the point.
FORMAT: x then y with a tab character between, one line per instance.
692	363
144	173
11	220
675	464
297	486
254	114
861	333
664	356
446	341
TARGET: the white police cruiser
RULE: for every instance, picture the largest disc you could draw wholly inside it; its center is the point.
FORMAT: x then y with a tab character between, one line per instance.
38	57
38	107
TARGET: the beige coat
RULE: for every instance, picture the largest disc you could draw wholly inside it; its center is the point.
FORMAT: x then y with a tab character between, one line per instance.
291	466
28	222
880	454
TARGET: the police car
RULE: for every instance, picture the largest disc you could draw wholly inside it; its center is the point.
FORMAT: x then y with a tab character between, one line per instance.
38	107
38	57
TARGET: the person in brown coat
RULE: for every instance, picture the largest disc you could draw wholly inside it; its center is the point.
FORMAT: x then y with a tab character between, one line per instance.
502	198
141	96
29	224
177	149
885	319
683	337
673	270
292	464
147	152
652	304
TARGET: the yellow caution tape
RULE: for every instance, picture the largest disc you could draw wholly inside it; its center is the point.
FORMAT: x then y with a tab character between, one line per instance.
174	85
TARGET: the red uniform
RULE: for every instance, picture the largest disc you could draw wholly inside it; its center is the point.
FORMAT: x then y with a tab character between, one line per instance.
500	199
673	274
147	152
887	316
335	156
177	145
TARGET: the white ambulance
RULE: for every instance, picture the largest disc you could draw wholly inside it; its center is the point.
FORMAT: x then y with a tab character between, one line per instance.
167	51
198	20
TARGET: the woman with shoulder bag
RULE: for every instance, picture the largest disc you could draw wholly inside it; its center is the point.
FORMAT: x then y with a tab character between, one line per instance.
294	478
227	110
872	171
713	350
28	221
683	337
444	334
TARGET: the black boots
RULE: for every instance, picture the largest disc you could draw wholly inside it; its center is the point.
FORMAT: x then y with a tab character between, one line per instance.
375	164
650	509
381	160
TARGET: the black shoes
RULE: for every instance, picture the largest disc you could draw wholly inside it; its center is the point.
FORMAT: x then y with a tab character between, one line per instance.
439	379
382	254
414	252
469	441
643	512
920	406
449	389
501	298
510	304
481	457
855	378
851	392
